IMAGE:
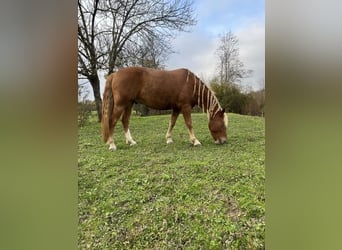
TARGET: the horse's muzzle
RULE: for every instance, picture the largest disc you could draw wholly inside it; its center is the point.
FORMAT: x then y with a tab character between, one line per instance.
221	141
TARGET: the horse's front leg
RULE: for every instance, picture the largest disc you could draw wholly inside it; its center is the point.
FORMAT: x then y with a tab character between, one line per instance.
125	123
188	122
173	120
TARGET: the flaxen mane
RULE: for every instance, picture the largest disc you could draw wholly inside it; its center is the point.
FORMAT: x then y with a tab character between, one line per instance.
206	99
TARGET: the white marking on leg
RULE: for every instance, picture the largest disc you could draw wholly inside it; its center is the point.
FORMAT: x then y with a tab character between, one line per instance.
193	139
112	147
129	139
169	135
169	140
110	141
197	143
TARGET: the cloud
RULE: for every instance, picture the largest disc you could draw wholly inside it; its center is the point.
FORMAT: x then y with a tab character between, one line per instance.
194	51
252	52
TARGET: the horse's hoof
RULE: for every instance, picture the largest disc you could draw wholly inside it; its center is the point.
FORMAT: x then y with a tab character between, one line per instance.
112	148
197	143
169	141
132	143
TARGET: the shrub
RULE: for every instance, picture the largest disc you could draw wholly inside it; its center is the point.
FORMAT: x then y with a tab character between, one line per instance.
237	101
84	106
84	111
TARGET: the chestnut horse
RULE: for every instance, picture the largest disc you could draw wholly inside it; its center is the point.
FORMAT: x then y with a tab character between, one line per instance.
179	90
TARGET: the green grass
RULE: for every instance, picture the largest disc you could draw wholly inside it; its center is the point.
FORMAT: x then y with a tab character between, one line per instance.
158	196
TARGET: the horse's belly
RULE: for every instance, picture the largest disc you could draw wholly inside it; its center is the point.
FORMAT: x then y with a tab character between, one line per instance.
156	103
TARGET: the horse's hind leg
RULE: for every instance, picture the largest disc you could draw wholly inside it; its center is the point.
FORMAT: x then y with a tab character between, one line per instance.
117	112
110	140
173	120
188	122
125	123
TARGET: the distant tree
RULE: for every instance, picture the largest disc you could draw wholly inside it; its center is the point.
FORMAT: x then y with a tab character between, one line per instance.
251	106
231	68
259	97
151	53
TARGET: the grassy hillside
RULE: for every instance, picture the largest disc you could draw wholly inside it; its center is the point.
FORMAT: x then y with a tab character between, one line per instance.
158	196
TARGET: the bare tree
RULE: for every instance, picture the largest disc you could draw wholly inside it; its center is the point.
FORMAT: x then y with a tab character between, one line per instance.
108	30
151	52
231	69
88	55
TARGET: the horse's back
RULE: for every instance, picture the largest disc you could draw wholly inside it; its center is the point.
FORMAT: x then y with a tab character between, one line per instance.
159	89
139	75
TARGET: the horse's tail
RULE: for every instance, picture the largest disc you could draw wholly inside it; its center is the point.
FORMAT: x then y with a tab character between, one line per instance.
107	107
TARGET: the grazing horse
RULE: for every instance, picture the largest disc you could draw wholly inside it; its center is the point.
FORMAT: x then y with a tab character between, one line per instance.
179	90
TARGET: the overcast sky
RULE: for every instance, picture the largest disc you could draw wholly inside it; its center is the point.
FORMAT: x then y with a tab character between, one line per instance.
196	50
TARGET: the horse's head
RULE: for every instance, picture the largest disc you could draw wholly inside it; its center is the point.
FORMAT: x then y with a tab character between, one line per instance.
218	127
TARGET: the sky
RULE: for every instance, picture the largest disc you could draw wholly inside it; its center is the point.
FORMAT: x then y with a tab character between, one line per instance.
195	50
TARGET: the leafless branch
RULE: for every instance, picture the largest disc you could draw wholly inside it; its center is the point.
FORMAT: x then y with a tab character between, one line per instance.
231	69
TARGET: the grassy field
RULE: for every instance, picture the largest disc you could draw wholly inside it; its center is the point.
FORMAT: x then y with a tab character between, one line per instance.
158	196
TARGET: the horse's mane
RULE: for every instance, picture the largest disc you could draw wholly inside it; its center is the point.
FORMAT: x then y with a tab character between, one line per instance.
206	98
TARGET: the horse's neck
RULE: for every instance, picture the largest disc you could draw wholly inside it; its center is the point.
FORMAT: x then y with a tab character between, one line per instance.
206	100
